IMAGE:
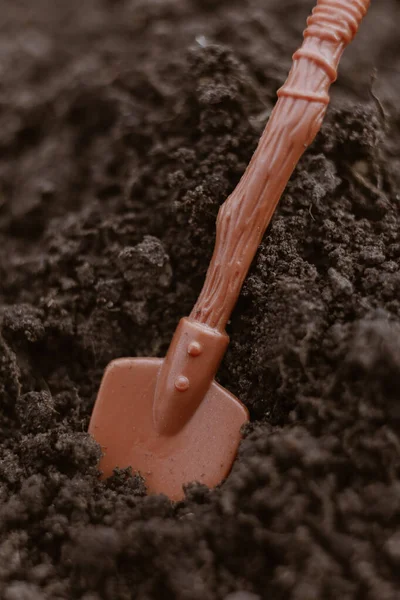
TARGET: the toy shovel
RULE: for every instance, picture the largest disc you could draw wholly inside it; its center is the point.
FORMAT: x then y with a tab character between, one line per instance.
168	418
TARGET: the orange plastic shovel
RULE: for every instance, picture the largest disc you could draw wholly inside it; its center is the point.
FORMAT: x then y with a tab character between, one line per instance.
168	418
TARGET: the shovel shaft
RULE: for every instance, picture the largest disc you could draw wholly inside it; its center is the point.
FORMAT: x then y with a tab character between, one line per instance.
293	125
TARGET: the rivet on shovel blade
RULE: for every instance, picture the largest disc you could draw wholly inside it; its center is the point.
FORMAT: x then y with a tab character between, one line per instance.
169	419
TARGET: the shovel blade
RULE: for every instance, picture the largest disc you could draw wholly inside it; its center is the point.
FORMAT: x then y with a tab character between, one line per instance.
123	424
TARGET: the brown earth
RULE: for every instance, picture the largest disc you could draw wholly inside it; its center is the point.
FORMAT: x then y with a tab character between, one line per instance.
124	125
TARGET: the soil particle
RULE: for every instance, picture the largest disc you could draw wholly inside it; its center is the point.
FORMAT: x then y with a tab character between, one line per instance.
125	124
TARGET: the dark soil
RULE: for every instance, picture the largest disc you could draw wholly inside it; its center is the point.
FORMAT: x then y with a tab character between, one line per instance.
124	124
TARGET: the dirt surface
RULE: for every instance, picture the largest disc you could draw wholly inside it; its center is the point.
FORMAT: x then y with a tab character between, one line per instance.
124	125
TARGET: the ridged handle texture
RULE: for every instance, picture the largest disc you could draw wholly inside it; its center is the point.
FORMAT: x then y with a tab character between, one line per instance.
336	20
293	125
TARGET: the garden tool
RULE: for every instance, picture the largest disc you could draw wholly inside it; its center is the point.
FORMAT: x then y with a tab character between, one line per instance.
168	418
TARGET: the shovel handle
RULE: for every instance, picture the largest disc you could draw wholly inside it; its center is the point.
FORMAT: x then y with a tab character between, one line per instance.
293	125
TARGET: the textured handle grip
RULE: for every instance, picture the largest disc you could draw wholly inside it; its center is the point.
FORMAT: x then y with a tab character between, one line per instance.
336	20
294	122
330	28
